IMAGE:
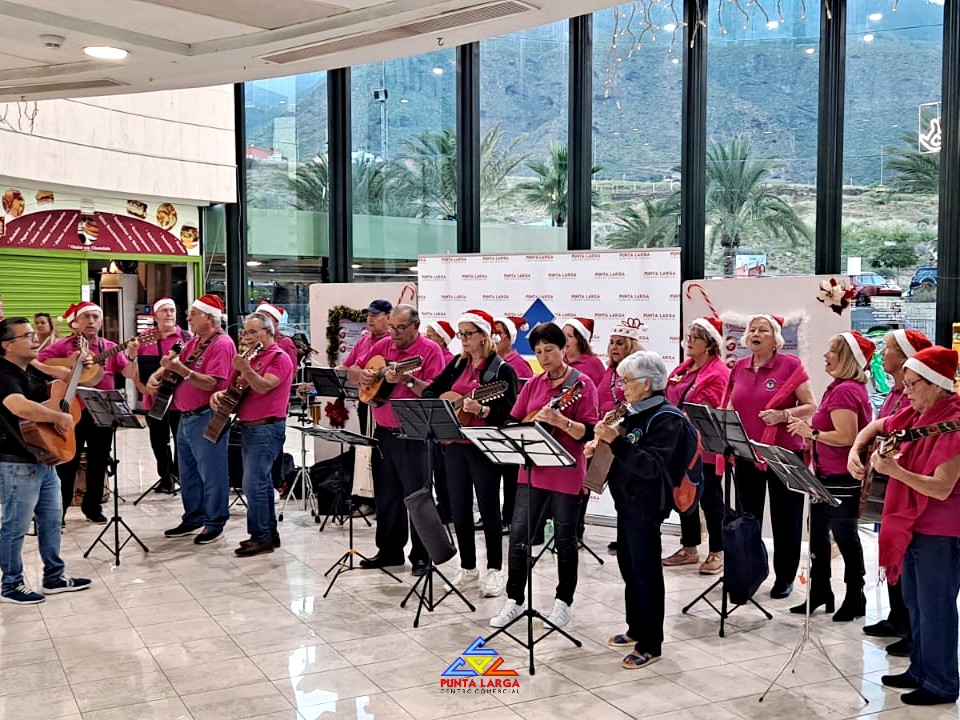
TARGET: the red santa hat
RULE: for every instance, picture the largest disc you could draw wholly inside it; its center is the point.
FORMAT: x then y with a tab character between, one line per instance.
584	326
273	311
629	328
444	330
162	303
862	348
70	314
85	307
483	320
711	326
776	322
936	364
911	341
210	304
513	325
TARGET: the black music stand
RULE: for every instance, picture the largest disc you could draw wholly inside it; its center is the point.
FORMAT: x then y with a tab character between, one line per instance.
146	366
527	444
330	383
797	478
108	409
428	420
722	433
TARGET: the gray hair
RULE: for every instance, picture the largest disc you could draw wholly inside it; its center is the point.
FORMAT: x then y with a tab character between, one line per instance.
266	322
411	310
645	364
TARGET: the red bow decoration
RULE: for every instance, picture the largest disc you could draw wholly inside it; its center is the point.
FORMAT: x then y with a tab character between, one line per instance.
337	413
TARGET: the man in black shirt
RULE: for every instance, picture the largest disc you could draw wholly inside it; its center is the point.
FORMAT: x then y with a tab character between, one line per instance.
28	489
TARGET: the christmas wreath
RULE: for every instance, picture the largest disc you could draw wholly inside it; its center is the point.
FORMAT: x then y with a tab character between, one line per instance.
334	316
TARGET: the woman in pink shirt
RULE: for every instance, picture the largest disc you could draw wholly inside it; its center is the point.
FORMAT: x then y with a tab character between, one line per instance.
579	334
767	388
844	410
701	379
442	333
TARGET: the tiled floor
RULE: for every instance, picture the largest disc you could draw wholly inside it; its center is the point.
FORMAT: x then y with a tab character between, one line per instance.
195	632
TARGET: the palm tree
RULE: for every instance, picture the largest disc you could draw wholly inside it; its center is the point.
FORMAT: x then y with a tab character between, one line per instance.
915	172
311	185
741	206
656	226
549	189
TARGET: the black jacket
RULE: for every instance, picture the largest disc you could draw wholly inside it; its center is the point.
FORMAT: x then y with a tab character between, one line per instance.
499	408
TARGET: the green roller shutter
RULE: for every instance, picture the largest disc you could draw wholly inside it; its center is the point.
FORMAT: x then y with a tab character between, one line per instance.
32	284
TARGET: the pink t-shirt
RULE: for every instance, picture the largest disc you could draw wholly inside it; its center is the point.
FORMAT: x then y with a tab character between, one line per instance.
752	391
286	344
159	349
215	361
65	347
361	351
516	361
839	395
589	365
273	361
895	402
447	356
431	367
610	391
537	393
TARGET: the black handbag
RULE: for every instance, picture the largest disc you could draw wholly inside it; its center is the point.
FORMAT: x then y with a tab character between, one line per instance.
426	521
745	562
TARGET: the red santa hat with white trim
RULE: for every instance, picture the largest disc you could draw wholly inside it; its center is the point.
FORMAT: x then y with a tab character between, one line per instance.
513	324
70	314
482	319
85	306
936	364
444	330
862	348
911	341
711	326
210	304
776	322
162	303
584	326
271	310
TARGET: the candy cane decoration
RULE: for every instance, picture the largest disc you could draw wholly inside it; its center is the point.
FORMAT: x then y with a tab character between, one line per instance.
706	298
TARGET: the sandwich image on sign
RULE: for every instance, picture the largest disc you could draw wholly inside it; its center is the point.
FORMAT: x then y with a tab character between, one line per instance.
45	197
88	229
137	209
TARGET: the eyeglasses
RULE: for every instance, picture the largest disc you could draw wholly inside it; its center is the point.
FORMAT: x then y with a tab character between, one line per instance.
907	385
248	333
30	335
627	381
467	334
691	336
399	328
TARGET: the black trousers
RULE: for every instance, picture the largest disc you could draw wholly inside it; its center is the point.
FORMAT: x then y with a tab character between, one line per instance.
468	471
638	555
712	503
842	522
509	474
161	432
898	608
527	513
786	516
441	485
399	468
97	442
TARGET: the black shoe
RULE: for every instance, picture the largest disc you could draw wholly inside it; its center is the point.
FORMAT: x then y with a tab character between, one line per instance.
253	548
378	561
164	489
903	681
98	519
901	648
274	540
851	608
181	530
816	600
207	536
612	548
925	697
781	590
419	567
884	628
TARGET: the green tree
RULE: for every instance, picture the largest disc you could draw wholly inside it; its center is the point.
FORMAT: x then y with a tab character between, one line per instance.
549	189
655	226
311	185
741	206
914	171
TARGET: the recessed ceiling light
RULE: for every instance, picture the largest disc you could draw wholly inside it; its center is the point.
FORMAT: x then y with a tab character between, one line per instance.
810	51
105	52
438	71
875	17
254	263
676	61
868	37
404	100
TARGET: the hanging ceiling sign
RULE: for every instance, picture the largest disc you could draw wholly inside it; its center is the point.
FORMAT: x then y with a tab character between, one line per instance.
929	133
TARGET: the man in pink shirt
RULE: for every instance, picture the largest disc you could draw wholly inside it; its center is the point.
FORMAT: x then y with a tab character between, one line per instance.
285	343
262	417
87	321
203	367
399	468
378	316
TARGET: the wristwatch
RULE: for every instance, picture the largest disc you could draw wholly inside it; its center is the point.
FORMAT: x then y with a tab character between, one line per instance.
815	433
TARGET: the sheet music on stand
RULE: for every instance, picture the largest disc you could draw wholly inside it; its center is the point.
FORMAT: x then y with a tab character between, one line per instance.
108	407
720	430
794	474
427	419
518	444
330	383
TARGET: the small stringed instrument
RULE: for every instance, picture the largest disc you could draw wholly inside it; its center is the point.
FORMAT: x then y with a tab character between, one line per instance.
377	392
48	444
233	395
874	489
168	386
92	374
602	459
482	394
567	398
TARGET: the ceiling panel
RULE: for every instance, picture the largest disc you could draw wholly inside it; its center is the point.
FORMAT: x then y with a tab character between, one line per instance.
256	13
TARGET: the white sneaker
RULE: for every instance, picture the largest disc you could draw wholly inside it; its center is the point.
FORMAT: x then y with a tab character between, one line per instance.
560	615
511	611
493	583
464	578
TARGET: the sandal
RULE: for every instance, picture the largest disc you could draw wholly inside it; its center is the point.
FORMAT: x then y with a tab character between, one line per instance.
621	641
633	661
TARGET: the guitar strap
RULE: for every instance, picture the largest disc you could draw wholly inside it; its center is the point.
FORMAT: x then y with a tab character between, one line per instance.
932	430
195	355
491	371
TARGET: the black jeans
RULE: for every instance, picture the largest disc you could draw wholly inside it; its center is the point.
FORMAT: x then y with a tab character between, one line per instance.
898	608
160	435
712	503
98	444
399	468
468	471
842	522
526	513
786	516
638	555
509	473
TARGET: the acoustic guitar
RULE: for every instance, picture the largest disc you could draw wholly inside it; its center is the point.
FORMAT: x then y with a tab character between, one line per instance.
377	392
482	394
93	373
874	489
169	382
564	400
45	440
602	459
233	395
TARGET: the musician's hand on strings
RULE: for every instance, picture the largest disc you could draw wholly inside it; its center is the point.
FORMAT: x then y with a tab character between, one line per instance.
549	416
885	465
215	400
590	448
65	423
367	377
169	361
131	349
395	378
605	432
87	360
240	363
472	406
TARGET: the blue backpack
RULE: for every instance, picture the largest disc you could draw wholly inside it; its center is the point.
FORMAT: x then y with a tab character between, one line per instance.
682	493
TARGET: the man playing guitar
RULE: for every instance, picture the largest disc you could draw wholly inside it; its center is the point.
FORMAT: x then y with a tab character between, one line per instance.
285	343
262	415
28	489
87	319
204	365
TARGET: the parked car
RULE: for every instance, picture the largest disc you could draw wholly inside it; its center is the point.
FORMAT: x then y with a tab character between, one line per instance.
925	276
870	284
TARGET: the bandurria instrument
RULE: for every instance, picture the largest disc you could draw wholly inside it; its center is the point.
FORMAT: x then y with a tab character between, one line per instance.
482	394
233	395
564	400
92	374
168	386
602	459
377	392
45	440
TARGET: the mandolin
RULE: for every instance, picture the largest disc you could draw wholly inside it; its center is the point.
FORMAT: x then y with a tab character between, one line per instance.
93	373
45	440
874	488
233	395
377	392
564	400
602	459
482	394
168	386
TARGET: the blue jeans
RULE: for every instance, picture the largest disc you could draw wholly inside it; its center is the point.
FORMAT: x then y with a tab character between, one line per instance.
204	482
261	445
931	581
28	490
